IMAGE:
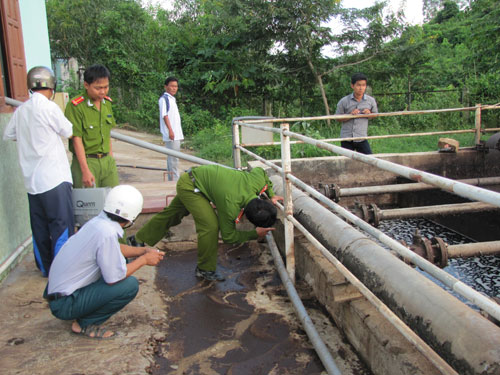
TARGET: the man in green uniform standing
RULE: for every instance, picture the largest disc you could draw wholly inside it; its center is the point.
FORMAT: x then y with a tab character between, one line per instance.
92	118
234	194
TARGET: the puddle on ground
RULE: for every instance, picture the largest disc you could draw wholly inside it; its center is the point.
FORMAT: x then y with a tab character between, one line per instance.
215	328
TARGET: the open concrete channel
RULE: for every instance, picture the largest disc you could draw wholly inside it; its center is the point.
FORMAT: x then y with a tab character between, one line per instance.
246	324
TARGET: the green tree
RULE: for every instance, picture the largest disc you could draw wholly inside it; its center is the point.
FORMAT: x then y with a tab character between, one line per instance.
119	34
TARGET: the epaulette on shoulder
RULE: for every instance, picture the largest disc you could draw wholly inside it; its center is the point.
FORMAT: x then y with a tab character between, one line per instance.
108	98
78	100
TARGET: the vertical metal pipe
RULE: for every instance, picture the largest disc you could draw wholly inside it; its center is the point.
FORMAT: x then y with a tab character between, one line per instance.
236	142
287	184
478	124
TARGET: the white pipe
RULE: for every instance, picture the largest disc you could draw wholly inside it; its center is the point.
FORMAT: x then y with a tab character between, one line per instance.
306	321
454	284
163	150
452	186
286	162
12	257
372	115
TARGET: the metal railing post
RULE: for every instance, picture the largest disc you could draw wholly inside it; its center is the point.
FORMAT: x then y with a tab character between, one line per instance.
236	142
286	161
477	139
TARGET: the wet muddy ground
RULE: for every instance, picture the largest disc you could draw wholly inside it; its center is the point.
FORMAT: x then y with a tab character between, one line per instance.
244	325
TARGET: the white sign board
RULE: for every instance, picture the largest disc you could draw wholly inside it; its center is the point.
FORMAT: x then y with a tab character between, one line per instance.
250	135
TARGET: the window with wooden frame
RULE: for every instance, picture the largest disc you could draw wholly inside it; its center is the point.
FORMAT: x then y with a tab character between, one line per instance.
13	62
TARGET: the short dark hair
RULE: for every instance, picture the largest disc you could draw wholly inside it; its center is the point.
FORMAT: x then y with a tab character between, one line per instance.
261	213
171	79
95	72
358	77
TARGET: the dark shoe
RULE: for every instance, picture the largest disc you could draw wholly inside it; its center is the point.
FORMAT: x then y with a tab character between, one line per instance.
131	241
209	275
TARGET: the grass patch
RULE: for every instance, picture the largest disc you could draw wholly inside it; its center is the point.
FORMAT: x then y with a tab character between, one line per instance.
215	144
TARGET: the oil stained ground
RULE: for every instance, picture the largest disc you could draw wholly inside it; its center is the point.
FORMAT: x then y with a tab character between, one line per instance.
214	327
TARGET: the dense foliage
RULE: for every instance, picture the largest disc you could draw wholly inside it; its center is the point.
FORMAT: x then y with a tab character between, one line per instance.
260	57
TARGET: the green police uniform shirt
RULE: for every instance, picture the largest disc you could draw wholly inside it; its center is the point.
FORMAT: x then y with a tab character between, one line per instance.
90	124
231	190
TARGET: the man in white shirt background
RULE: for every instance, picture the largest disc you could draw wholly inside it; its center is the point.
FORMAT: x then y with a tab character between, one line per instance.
37	126
170	125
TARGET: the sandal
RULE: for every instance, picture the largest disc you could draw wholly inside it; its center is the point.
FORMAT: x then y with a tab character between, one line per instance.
95	332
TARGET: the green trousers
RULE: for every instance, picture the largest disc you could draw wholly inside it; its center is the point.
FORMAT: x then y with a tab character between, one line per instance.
205	219
95	303
104	171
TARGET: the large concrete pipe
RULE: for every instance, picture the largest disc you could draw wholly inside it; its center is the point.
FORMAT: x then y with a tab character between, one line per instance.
466	340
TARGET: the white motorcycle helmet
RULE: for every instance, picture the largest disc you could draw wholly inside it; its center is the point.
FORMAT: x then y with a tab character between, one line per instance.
124	201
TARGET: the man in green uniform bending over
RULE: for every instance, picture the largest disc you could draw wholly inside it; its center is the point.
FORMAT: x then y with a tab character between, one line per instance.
234	194
92	118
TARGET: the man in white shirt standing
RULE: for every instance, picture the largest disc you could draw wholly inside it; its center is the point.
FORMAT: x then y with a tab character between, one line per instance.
37	126
170	125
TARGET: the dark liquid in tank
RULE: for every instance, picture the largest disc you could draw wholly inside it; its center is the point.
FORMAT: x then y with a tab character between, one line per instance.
480	273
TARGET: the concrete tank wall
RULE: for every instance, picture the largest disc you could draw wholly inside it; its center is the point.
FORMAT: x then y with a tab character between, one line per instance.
466	340
14	211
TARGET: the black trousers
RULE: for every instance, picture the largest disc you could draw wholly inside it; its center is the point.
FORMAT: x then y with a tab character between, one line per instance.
362	147
52	223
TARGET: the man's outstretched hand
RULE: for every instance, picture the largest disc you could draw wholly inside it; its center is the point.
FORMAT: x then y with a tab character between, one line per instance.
262	232
277	198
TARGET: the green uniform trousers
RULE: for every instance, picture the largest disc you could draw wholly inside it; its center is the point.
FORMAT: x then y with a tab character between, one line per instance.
104	171
205	219
95	303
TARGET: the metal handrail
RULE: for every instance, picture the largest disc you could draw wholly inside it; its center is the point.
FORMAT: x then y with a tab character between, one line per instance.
452	186
374	115
454	284
312	333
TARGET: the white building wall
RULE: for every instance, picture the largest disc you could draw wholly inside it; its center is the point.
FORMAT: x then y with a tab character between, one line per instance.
35	33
